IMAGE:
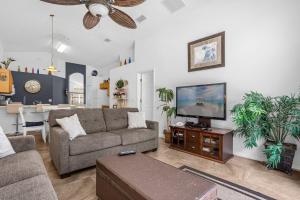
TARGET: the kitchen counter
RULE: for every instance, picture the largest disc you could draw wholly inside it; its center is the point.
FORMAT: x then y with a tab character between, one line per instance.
31	113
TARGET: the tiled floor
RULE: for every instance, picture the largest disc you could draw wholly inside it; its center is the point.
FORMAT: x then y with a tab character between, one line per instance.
251	174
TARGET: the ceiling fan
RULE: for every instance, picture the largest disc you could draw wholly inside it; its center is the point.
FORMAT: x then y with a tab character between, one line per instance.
101	8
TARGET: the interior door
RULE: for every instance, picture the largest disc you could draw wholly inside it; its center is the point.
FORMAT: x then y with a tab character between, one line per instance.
147	94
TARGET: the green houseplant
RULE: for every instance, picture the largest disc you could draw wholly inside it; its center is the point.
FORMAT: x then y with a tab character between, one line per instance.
120	89
166	97
120	84
272	119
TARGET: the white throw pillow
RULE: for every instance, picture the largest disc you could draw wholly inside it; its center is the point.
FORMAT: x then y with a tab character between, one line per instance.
136	120
72	126
5	146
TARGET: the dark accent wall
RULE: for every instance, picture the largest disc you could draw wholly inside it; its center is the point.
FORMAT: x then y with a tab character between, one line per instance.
52	89
59	90
72	68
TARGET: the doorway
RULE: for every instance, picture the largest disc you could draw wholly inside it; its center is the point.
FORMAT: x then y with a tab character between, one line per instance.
76	89
146	93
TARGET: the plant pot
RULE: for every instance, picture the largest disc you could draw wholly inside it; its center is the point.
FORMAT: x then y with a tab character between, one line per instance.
287	156
167	136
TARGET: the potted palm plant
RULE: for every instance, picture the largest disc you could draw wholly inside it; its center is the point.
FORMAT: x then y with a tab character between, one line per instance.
166	97
272	119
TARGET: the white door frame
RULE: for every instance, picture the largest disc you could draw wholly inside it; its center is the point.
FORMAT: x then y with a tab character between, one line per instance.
153	92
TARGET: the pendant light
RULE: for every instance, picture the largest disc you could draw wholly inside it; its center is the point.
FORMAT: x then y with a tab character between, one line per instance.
52	67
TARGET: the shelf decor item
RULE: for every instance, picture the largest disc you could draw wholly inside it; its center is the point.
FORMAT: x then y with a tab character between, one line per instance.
207	53
32	86
120	93
166	97
105	86
272	119
5	63
6	78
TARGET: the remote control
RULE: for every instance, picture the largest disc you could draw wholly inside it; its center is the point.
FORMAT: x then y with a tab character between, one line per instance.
125	153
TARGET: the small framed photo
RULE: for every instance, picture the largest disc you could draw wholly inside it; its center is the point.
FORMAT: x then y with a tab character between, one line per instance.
207	53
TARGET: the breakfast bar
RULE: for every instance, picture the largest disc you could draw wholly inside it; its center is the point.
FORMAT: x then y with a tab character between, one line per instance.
32	113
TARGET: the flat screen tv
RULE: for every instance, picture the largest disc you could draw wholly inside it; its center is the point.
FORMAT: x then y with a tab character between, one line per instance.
202	101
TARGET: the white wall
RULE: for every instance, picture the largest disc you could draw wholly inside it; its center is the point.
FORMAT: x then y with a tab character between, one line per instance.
92	87
95	96
262	45
1	51
36	60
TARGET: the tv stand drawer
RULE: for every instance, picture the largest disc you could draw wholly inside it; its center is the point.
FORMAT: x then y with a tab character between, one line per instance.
193	137
193	147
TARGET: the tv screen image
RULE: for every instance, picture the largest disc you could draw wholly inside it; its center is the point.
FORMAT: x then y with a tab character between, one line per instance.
208	101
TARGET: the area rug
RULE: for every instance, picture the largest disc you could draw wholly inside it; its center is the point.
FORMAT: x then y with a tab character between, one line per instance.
228	190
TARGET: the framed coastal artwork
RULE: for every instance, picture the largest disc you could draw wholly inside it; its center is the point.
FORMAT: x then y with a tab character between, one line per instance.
207	53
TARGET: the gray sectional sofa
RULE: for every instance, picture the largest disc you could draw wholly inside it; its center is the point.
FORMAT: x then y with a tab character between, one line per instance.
23	175
107	134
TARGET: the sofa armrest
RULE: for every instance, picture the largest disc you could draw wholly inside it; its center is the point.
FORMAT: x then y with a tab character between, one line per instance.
152	125
22	143
59	149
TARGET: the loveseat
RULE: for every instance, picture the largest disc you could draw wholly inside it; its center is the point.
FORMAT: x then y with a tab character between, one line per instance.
23	175
107	134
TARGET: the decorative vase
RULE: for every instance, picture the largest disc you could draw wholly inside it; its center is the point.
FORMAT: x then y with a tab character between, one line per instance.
125	62
129	60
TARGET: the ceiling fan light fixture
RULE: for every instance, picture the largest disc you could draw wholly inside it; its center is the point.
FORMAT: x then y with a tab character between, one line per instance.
52	68
98	10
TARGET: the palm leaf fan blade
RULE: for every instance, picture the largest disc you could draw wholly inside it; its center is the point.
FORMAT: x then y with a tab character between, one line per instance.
64	2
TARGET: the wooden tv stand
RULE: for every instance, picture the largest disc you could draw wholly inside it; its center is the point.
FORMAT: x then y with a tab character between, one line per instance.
215	144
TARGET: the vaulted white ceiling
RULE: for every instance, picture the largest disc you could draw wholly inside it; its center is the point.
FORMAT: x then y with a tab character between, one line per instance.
25	26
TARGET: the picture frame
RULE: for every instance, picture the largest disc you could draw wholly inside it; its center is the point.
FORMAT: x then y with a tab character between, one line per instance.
207	53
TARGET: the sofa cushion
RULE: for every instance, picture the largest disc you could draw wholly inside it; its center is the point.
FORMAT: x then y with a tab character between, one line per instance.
6	148
94	142
72	126
35	188
92	120
20	166
117	118
133	136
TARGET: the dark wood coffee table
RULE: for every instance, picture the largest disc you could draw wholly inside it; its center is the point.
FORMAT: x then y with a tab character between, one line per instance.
140	177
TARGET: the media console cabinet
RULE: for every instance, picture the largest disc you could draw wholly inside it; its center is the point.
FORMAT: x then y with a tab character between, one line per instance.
215	144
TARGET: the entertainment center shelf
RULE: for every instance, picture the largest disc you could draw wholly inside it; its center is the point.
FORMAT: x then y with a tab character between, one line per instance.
214	144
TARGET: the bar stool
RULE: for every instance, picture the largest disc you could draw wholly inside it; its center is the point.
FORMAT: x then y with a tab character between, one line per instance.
14	109
32	126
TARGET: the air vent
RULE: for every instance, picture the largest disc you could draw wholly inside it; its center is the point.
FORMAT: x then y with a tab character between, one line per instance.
107	40
173	5
141	18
